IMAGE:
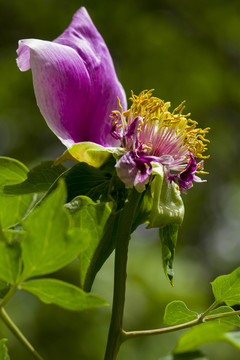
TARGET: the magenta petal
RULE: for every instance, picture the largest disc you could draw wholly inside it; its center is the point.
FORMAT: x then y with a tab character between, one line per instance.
75	82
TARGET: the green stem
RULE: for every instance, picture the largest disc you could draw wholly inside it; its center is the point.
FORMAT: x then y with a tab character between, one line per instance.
122	240
133	334
14	329
8	296
218	316
211	307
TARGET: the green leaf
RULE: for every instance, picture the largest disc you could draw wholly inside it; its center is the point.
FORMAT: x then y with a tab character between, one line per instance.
233	338
168	236
39	179
190	355
83	179
11	171
4	288
167	205
47	247
205	333
226	288
10	257
176	312
68	296
103	250
3	350
12	208
234	320
87	221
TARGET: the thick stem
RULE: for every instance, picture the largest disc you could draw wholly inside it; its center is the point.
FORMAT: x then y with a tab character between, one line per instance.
14	329
120	275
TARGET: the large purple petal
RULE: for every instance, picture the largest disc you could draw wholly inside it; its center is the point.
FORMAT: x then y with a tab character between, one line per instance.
75	82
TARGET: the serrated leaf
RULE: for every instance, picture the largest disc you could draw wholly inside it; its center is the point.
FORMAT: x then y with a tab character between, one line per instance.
68	296
39	179
233	338
234	320
87	220
168	236
47	247
3	350
12	208
10	257
226	288
190	355
205	333
177	312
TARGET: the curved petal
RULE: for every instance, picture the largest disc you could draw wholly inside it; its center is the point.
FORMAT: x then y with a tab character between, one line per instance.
61	85
75	82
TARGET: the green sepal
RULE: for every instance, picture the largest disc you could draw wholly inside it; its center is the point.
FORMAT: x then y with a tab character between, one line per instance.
167	207
88	152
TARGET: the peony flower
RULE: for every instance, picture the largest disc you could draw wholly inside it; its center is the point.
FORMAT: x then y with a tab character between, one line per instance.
75	83
154	139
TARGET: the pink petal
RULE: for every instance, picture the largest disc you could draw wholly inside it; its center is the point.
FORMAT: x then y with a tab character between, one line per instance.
75	83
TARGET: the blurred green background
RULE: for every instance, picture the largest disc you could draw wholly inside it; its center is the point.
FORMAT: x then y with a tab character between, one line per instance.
186	50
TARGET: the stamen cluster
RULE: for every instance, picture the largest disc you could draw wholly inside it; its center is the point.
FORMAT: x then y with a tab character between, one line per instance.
151	134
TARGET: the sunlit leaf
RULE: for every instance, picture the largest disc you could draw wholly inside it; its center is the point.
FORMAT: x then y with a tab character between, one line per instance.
47	247
226	288
39	179
88	152
177	312
68	296
168	236
205	333
3	350
14	207
87	221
